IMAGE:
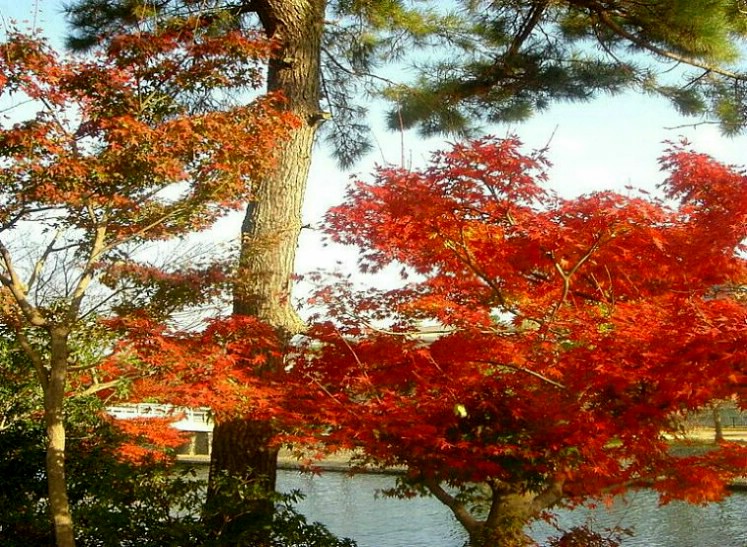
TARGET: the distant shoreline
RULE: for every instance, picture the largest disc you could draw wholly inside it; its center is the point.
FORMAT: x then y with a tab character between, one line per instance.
340	462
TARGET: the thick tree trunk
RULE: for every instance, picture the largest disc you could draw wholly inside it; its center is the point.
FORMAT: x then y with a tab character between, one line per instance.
272	225
273	218
54	393
230	451
231	516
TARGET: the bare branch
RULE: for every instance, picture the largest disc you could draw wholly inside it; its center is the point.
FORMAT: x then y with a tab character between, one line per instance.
13	282
693	125
332	59
36	359
462	514
39	266
527	26
97	249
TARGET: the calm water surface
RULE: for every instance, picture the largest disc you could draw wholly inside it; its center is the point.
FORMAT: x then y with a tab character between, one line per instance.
349	507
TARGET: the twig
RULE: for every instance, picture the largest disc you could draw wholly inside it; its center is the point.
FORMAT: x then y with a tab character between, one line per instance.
526	371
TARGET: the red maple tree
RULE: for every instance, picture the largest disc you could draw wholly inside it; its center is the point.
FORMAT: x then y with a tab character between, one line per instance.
134	146
567	336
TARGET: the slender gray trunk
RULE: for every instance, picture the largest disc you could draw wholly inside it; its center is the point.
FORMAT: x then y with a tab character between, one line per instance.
54	394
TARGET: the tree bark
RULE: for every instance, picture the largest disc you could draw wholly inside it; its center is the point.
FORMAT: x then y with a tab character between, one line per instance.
269	234
54	393
270	231
241	451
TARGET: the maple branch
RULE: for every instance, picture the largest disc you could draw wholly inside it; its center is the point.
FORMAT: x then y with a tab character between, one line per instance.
39	266
496	198
359	362
101	303
24	212
144	230
525	370
15	105
406	334
11	222
98	386
36	359
327	392
466	258
551	495
53	112
461	513
19	292
566	276
79	368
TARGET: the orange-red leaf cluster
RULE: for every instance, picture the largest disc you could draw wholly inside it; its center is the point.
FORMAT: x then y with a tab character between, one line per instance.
564	339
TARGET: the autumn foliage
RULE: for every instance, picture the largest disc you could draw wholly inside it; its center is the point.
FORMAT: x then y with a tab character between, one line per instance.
545	348
219	366
566	338
103	159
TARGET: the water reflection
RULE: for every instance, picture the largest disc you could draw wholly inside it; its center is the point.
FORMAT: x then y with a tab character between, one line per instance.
349	507
675	525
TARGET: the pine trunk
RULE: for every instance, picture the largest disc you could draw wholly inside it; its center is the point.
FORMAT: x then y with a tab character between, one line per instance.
237	518
271	229
54	394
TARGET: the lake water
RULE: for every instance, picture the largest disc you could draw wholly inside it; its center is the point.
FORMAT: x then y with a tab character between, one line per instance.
349	507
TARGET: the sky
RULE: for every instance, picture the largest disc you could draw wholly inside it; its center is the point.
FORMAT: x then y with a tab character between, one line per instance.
605	144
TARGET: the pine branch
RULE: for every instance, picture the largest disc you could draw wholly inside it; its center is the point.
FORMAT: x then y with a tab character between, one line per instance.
641	42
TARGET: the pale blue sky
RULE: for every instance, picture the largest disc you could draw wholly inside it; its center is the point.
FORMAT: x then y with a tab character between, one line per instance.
605	144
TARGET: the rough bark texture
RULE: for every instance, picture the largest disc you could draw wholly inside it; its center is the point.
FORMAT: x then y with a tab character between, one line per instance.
243	441
54	393
232	517
273	219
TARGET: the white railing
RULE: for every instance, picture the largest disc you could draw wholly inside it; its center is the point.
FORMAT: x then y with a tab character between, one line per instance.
193	419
